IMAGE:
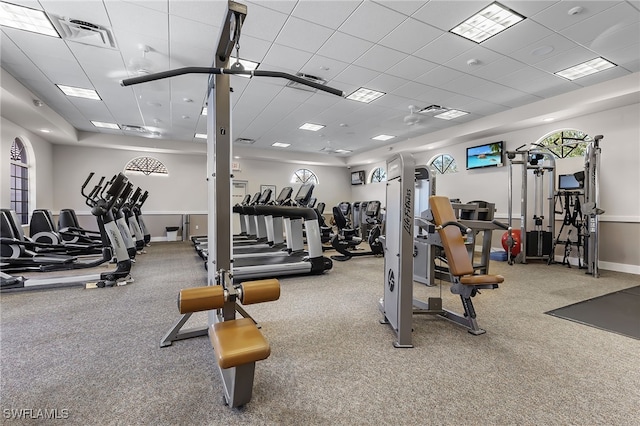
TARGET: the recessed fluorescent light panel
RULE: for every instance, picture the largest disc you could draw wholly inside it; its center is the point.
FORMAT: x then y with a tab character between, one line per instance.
201	135
586	68
342	151
204	110
365	95
451	114
104	125
383	138
79	92
24	18
280	144
490	21
311	126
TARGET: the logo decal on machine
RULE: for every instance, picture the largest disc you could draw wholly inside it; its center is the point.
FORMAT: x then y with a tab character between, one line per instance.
391	280
407	217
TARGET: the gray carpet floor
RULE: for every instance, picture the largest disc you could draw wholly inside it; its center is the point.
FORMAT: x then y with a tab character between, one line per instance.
95	353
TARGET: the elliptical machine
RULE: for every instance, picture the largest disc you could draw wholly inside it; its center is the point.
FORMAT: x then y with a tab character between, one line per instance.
346	240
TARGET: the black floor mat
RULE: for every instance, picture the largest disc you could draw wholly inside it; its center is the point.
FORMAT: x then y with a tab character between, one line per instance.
618	312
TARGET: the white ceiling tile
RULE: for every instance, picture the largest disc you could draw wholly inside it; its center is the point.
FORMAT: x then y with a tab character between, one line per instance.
444	48
253	48
411	90
616	38
601	76
263	23
439	76
356	75
483	55
371	22
329	15
344	47
513	38
528	8
207	12
543	49
603	25
411	67
393	101
406	7
283	6
380	58
447	14
386	83
303	35
497	69
285	57
138	19
410	36
557	16
323	67
625	55
567	59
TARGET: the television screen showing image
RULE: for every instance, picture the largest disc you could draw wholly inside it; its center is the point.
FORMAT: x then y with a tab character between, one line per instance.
357	178
567	182
487	155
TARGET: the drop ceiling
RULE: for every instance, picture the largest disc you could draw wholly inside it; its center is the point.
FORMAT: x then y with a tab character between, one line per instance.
402	48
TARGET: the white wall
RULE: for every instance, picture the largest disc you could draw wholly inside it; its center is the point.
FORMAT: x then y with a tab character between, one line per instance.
184	190
333	187
43	171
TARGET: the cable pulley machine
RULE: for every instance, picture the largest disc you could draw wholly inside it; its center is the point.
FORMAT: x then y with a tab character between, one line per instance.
238	381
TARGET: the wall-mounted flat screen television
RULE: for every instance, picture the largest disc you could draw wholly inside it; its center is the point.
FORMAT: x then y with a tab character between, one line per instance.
487	155
568	182
357	178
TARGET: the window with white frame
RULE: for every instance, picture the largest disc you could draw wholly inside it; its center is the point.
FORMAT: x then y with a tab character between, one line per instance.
379	174
565	143
19	181
444	163
147	166
304	176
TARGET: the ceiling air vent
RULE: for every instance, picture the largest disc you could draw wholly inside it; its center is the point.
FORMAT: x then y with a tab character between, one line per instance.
84	32
432	109
245	141
134	128
312	78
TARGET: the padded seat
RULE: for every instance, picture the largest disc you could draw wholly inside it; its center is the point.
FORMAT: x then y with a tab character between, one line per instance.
238	342
481	279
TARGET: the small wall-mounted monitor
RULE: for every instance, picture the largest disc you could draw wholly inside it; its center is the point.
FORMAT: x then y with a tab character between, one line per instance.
357	178
487	155
568	182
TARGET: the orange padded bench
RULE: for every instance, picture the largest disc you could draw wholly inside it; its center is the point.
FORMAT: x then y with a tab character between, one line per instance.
238	342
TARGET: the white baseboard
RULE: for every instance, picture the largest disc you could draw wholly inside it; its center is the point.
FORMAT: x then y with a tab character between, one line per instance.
609	266
158	239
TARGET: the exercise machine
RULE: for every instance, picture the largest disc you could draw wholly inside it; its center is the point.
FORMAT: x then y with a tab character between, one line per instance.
536	243
346	240
219	175
397	304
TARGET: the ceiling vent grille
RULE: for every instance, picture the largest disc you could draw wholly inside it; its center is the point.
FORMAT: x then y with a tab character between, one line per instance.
245	141
433	109
134	128
312	78
84	32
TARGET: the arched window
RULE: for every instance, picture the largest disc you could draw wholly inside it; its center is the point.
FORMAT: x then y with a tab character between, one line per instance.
378	175
444	163
19	181
304	176
146	166
565	143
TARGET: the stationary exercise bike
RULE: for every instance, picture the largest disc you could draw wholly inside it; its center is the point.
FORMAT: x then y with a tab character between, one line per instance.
346	240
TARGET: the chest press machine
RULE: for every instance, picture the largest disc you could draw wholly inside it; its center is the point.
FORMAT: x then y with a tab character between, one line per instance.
398	305
237	343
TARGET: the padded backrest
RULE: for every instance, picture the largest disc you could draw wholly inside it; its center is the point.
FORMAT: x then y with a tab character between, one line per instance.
452	241
6	228
338	216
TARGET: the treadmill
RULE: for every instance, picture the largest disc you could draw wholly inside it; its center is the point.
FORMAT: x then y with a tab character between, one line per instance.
297	263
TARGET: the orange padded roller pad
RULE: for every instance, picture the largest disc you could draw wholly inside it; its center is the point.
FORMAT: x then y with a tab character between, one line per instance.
260	291
481	279
238	342
200	299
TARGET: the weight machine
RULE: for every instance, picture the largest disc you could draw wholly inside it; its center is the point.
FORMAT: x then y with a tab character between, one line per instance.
237	380
536	243
397	304
580	209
